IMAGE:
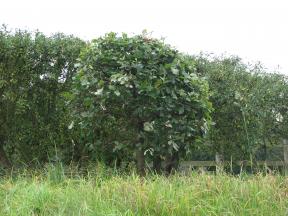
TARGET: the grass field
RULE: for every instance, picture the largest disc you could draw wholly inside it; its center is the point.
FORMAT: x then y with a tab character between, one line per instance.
50	192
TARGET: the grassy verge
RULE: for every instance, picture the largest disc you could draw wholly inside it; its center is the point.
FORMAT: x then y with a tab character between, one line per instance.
53	193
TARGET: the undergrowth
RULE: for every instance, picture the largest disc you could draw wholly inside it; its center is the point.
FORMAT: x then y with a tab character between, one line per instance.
101	191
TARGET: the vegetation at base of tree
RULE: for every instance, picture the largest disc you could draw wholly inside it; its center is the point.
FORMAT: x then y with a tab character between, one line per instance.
119	99
104	192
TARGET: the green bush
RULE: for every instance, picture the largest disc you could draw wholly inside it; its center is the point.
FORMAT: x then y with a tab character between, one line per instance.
137	94
118	98
249	107
35	74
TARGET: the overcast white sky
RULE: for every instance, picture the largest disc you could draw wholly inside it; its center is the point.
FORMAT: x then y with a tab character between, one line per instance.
255	30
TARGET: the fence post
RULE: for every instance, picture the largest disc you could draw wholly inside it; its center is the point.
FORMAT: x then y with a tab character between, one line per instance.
285	152
219	158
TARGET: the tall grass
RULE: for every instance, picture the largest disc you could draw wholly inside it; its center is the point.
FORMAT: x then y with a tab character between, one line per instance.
103	192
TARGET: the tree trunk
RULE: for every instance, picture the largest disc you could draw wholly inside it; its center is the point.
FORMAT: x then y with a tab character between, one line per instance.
265	150
4	162
171	163
157	164
140	157
285	152
140	162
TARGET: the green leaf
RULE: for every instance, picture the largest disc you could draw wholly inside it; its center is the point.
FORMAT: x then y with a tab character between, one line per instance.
148	126
71	125
117	93
98	92
175	71
181	110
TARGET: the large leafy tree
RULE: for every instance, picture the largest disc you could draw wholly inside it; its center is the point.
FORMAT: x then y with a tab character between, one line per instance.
139	95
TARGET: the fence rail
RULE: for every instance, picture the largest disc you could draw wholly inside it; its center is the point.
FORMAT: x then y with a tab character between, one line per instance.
219	162
226	163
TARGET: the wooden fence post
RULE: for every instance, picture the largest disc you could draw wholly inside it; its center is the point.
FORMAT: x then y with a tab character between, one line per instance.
219	158
285	152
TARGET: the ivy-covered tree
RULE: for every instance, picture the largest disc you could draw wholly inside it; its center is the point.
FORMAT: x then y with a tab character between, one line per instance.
139	95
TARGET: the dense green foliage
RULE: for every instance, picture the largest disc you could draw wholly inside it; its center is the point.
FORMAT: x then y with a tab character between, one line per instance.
250	107
53	193
118	98
140	95
35	73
